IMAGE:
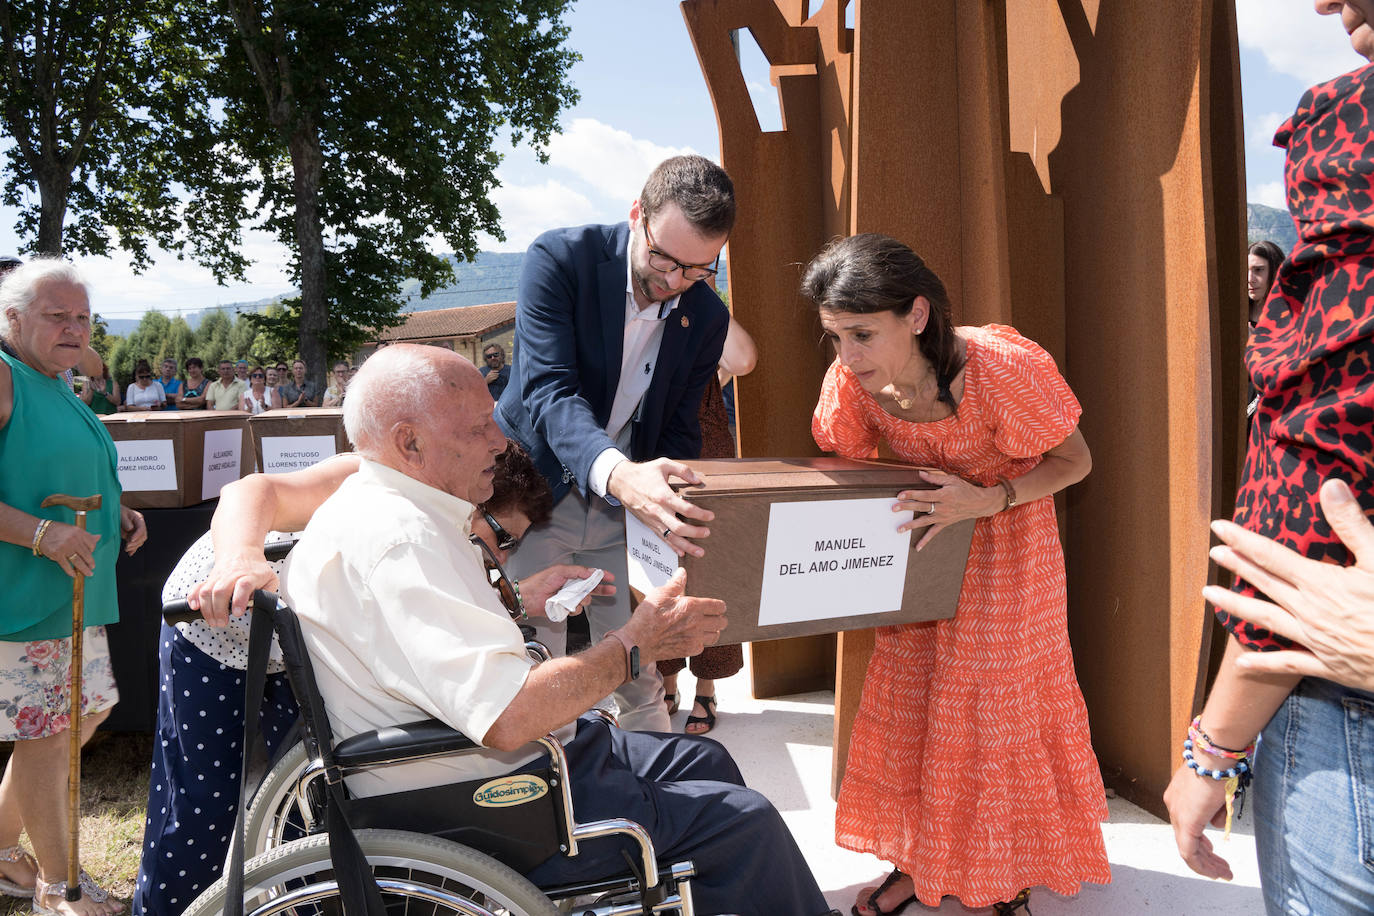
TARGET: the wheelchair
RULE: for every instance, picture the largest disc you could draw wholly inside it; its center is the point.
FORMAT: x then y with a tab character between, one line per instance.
452	849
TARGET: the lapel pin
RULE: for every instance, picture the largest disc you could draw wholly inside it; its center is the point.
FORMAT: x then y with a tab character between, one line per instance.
685	322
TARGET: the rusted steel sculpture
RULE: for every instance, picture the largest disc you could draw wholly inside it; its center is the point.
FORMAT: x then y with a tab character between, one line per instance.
1069	167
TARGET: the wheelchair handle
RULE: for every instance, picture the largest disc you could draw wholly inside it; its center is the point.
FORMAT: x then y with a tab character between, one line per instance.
179	611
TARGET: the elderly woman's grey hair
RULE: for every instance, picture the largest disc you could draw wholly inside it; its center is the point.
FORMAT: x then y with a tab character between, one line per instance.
396	384
19	290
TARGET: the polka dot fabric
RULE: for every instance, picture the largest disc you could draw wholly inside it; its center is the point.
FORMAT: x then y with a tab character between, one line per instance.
971	766
193	788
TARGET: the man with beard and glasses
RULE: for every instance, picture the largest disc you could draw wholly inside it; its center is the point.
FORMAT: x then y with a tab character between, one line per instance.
618	334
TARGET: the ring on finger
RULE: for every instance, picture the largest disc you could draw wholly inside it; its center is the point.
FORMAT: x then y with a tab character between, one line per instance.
72	558
666	532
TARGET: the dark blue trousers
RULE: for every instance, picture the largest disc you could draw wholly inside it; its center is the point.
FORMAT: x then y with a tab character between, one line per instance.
688	793
193	792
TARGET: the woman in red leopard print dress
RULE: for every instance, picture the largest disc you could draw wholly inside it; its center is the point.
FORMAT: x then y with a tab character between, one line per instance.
1311	359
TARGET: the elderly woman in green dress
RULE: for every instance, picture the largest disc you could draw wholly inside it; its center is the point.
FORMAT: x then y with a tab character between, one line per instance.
50	443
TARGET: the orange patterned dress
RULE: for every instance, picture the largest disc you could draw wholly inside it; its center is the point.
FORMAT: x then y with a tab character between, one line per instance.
970	766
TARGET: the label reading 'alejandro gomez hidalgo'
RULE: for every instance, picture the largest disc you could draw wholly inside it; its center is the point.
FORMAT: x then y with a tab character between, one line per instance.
833	558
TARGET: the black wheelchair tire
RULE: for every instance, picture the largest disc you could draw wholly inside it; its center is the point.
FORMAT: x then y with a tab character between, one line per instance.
424	863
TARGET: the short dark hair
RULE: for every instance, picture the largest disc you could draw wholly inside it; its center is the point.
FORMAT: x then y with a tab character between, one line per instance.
870	273
518	485
700	188
195	361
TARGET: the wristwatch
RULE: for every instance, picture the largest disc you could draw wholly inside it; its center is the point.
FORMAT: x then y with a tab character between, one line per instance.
1009	490
631	654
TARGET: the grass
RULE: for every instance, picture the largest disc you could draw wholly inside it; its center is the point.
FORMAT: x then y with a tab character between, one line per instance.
114	793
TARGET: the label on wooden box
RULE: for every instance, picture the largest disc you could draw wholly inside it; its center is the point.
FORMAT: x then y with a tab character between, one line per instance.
146	464
282	454
833	558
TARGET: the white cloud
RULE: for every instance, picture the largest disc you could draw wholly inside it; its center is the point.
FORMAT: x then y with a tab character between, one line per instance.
1295	40
528	210
178	287
1261	132
610	160
1270	194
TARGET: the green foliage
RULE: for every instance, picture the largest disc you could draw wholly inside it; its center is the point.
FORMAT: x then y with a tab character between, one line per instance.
212	340
372	125
101	341
114	134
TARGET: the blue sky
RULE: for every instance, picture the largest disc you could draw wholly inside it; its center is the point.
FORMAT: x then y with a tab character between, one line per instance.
643	98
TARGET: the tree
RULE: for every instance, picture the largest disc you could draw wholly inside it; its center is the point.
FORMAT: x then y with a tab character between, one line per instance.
145	342
371	125
212	339
102	341
107	105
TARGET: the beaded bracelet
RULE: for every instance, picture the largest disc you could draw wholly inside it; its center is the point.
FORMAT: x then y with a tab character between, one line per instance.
1237	779
1204	743
38	533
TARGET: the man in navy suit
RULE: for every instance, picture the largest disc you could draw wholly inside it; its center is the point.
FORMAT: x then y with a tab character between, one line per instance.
618	334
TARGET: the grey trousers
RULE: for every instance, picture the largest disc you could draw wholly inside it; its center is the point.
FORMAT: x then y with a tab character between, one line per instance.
591	532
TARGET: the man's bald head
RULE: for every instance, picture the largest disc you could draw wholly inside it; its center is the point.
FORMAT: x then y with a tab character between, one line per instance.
426	412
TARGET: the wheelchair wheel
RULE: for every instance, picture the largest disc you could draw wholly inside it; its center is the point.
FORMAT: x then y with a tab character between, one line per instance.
419	874
274	815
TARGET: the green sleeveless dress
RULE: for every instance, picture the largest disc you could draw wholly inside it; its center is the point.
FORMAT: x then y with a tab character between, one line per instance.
54	444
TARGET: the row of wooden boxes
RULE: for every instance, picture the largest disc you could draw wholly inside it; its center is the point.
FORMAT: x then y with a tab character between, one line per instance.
801	545
171	459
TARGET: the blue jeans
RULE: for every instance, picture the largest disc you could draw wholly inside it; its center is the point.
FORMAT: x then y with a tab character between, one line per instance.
1314	803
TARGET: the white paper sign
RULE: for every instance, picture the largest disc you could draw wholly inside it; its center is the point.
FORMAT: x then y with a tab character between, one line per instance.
833	558
281	454
223	451
147	464
652	561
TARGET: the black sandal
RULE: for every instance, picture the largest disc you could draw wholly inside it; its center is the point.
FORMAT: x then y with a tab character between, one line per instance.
872	904
709	719
1021	900
670	700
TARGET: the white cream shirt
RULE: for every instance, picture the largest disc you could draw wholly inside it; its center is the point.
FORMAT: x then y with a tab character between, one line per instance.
639	358
402	623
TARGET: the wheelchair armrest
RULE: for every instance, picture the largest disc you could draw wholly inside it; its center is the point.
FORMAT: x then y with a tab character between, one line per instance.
428	738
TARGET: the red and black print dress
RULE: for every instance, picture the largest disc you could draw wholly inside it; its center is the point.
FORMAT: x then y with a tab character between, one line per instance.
1311	355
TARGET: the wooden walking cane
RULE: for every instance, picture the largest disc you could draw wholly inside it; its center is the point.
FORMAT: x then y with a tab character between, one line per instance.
80	506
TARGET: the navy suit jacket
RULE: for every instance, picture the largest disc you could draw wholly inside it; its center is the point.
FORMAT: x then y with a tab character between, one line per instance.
569	339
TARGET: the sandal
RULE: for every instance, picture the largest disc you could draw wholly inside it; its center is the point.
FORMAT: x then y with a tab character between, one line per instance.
1021	900
16	854
670	700
872	904
89	889
709	720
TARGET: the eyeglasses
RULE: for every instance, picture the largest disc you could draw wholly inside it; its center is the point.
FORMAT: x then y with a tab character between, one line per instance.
659	260
257	375
143	375
491	355
504	539
506	588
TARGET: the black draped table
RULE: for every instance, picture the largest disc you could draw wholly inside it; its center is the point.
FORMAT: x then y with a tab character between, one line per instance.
133	641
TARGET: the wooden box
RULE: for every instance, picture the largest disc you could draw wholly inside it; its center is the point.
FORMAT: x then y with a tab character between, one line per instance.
169	459
801	546
292	438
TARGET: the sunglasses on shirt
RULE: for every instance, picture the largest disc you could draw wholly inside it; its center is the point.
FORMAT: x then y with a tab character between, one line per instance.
504	539
506	587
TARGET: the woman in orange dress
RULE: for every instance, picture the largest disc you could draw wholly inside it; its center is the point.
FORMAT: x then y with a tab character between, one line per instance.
970	767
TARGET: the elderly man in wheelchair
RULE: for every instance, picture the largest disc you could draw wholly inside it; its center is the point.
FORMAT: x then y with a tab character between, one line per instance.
401	624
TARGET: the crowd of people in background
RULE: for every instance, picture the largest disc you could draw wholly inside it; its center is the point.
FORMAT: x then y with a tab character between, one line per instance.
235	386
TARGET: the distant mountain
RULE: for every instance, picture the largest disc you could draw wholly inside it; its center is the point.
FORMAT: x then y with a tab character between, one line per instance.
1272	224
492	276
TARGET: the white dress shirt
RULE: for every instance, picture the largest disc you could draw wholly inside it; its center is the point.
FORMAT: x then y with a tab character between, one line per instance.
639	357
402	623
